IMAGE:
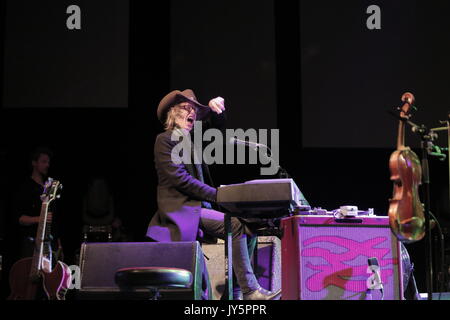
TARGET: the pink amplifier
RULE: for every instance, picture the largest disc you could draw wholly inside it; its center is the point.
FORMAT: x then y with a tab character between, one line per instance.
325	258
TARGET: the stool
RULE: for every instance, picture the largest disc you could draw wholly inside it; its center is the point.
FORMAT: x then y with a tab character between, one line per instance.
152	278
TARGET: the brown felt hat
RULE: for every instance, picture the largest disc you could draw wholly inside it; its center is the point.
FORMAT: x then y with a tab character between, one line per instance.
176	97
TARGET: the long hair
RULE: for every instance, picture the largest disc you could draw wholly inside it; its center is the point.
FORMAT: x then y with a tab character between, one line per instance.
175	113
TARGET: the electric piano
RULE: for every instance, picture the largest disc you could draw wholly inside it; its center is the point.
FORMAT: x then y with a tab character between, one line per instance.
262	198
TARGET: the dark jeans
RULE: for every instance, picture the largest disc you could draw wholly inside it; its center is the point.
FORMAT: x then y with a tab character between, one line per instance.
212	223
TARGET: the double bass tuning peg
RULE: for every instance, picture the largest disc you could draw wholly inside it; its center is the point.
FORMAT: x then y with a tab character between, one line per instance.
408	97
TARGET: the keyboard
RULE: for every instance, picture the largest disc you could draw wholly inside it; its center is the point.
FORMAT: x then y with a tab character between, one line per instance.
262	198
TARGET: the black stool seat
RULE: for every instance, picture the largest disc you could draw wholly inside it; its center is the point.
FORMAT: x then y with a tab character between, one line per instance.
153	277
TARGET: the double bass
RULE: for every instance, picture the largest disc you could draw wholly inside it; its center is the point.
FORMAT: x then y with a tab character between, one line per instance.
28	276
406	212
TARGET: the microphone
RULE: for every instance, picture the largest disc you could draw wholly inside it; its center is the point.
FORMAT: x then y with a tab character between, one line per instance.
250	144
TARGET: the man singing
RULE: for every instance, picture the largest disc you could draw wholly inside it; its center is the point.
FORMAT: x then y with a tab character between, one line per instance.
184	198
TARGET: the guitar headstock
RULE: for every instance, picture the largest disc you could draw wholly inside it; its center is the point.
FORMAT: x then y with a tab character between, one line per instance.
52	189
408	105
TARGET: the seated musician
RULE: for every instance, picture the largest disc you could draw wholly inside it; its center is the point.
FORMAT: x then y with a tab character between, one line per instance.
185	199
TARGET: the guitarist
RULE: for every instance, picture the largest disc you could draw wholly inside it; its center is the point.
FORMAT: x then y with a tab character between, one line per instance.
28	205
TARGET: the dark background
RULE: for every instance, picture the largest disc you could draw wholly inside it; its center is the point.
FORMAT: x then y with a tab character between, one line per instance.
310	69
47	65
351	75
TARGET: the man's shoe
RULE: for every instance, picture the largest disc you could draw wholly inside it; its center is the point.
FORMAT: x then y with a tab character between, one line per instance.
262	294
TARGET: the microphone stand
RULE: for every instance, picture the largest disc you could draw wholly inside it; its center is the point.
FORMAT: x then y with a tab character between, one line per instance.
446	128
442	156
425	140
427	149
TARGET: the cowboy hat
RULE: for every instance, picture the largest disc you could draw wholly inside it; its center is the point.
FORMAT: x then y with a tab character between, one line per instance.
176	97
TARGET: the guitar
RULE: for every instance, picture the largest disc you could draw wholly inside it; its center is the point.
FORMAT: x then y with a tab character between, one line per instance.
406	213
30	275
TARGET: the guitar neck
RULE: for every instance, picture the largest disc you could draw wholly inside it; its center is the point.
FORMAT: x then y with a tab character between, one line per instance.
41	233
47	234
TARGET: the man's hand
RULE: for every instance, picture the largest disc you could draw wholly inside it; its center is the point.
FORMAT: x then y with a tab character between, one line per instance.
217	105
25	220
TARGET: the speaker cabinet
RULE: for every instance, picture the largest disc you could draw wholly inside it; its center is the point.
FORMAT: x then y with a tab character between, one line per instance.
99	262
266	264
324	258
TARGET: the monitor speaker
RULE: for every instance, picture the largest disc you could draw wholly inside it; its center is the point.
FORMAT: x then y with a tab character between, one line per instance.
100	261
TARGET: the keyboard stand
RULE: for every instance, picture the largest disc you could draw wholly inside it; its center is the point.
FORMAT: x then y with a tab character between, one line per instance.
228	257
